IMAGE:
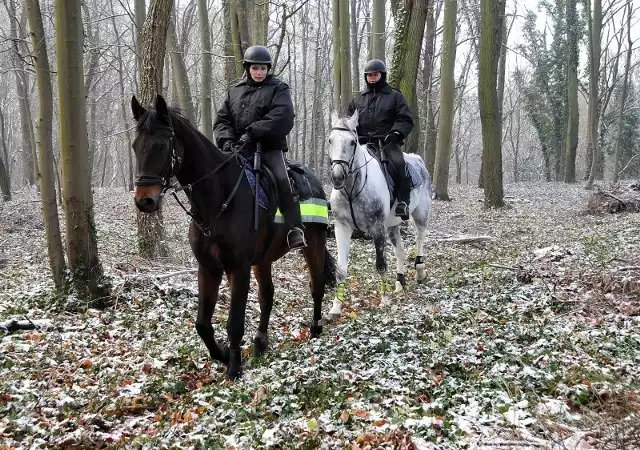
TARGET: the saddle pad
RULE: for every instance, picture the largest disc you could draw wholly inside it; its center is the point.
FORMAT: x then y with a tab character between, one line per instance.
415	174
313	210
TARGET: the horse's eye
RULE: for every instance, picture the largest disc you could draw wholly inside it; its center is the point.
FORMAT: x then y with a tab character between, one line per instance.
353	143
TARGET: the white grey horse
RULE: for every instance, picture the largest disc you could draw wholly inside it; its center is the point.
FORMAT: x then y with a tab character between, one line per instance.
360	199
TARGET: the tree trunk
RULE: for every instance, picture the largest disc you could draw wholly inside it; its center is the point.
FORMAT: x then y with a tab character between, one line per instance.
259	22
429	95
123	103
181	78
572	91
229	54
22	83
153	40
447	96
236	38
82	249
410	19
5	178
594	69
378	40
491	17
355	70
206	118
623	97
341	55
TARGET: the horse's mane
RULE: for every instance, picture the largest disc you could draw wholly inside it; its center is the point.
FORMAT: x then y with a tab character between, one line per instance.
151	120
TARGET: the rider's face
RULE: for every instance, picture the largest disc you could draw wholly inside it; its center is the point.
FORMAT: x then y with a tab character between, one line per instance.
373	77
258	72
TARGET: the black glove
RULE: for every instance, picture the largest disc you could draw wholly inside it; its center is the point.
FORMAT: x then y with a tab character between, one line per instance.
227	146
392	138
245	139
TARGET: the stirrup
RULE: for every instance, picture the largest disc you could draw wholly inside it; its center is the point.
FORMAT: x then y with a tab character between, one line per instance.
402	210
295	238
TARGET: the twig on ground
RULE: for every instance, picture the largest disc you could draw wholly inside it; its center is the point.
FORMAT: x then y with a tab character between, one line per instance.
469	239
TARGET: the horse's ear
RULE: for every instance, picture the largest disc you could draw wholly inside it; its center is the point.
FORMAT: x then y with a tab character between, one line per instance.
161	106
137	109
353	120
335	118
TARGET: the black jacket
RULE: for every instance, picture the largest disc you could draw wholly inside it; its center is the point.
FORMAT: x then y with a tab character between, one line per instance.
264	111
380	112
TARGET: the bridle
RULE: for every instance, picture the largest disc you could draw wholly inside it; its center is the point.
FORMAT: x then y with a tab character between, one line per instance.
350	170
174	162
171	167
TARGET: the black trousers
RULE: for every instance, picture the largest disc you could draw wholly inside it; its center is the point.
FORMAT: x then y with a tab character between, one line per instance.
393	153
287	200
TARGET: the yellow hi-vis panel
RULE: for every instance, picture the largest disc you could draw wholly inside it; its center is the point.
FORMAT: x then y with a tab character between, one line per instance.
313	210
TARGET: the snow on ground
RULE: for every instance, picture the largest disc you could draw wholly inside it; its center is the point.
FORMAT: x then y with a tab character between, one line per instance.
528	341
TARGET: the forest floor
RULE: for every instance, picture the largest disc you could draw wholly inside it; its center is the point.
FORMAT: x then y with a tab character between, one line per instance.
530	340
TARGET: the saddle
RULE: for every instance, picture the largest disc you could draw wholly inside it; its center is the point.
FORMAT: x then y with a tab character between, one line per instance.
389	170
313	202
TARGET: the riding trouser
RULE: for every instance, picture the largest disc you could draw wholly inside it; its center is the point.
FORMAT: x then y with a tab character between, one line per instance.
287	199
394	154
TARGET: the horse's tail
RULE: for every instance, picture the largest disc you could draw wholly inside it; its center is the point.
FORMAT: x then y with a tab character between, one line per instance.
329	269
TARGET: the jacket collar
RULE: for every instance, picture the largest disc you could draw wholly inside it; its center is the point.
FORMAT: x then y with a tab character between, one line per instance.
386	89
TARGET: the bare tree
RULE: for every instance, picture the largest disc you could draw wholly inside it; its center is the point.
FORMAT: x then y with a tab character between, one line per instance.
82	250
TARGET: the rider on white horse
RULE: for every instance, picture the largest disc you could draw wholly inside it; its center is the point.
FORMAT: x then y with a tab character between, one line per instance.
384	121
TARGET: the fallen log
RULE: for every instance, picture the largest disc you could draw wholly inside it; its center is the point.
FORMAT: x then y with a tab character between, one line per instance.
615	199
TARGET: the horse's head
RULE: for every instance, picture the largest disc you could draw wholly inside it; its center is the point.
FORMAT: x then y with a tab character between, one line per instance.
343	141
158	153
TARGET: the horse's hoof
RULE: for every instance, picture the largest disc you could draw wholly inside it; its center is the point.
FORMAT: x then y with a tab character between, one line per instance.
234	370
315	331
398	287
260	343
234	373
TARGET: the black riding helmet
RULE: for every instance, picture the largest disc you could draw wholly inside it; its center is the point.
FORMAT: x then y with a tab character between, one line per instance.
375	65
257	54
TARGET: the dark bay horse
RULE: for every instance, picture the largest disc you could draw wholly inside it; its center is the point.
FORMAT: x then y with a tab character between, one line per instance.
221	233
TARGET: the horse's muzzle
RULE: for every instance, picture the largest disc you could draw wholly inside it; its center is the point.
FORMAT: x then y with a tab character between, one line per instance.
147	198
338	176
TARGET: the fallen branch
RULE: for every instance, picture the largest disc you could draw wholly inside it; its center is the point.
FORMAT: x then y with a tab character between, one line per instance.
469	239
174	274
615	199
628	268
14	325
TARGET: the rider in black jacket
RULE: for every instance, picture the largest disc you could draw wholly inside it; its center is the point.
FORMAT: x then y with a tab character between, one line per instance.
259	109
383	115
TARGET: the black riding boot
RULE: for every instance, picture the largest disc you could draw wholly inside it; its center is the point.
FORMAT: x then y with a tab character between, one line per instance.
290	208
403	183
287	200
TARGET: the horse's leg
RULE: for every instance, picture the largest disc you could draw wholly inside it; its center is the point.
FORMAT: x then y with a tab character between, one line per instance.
208	284
401	256
420	219
314	254
380	242
265	297
343	240
239	280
